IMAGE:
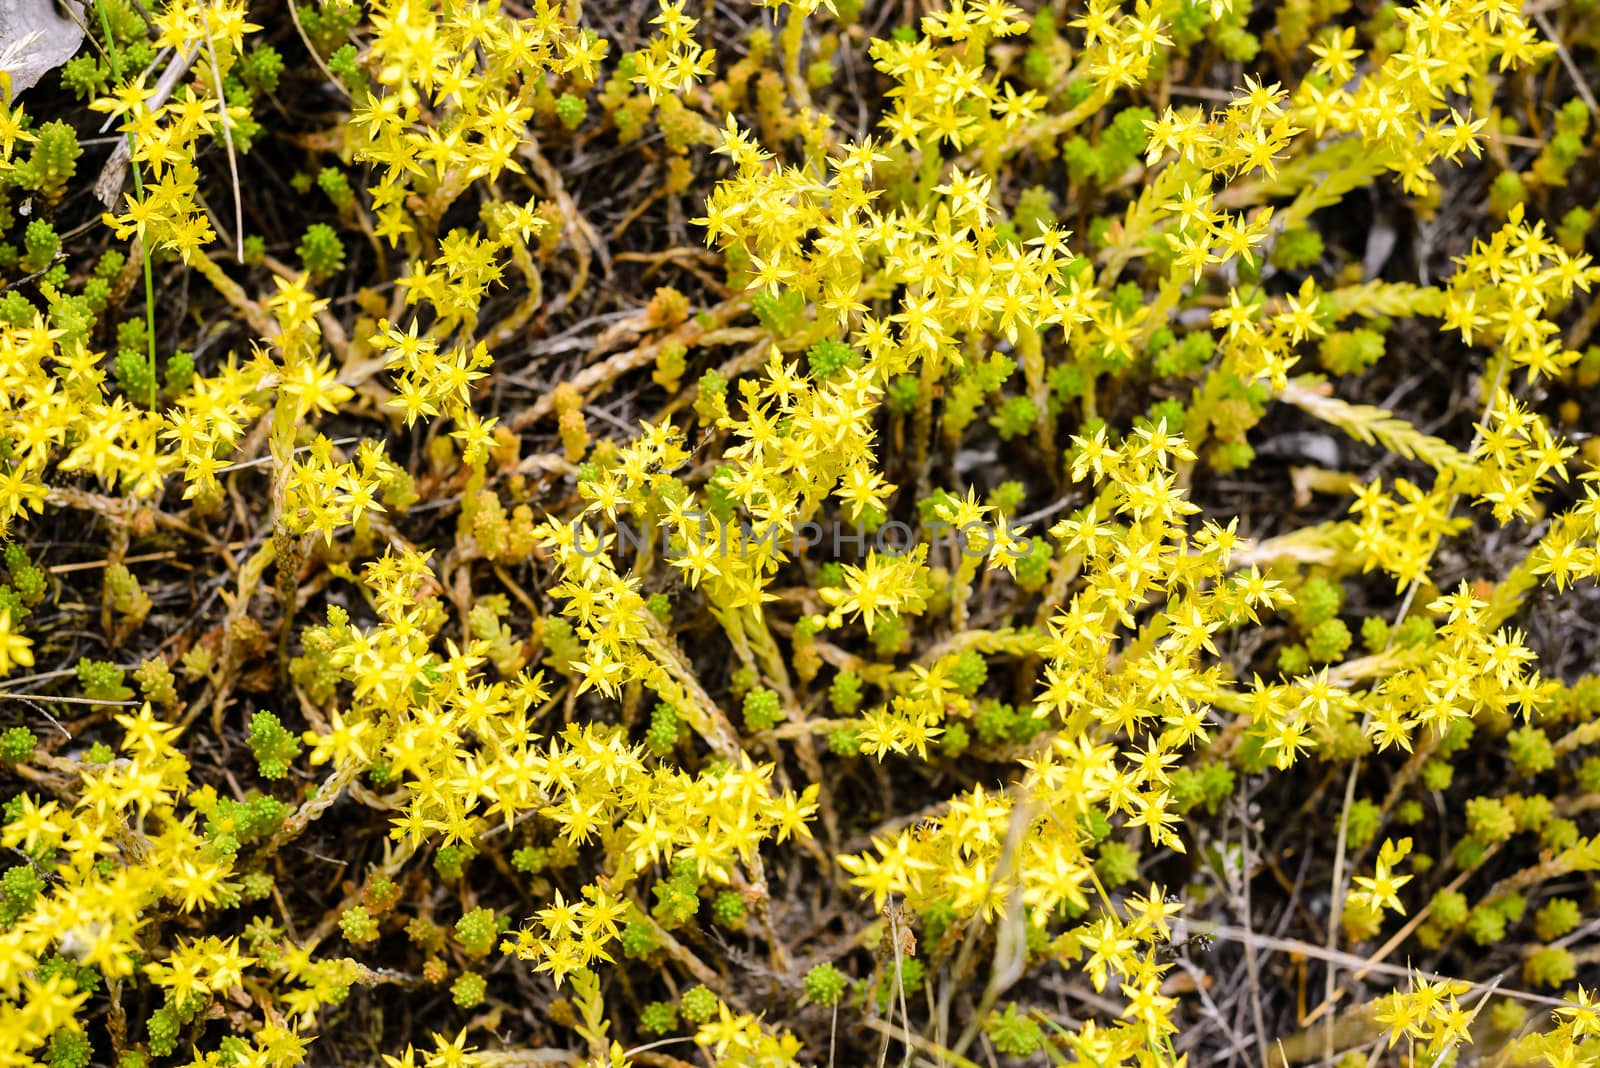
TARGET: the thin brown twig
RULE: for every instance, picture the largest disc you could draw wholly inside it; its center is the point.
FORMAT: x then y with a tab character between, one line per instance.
1579	82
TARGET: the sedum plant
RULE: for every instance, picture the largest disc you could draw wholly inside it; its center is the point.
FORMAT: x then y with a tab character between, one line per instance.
601	715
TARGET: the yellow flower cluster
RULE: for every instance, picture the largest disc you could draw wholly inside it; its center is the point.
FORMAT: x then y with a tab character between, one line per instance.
461	69
897	288
125	851
1130	546
163	134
